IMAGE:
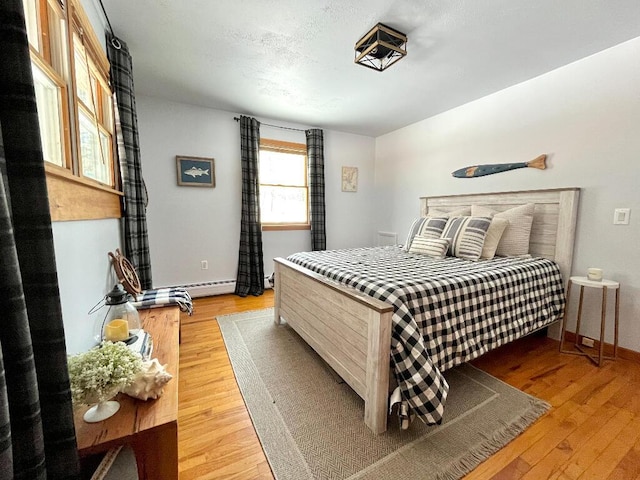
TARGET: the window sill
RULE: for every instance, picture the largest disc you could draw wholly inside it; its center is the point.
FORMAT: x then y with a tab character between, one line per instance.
284	226
75	198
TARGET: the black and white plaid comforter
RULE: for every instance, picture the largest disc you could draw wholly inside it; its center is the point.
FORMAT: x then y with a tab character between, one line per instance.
446	312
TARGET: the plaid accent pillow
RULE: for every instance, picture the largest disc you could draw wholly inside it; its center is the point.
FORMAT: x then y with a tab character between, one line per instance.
466	235
431	247
429	227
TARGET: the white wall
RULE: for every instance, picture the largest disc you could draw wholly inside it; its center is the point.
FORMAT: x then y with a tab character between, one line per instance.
585	116
188	224
84	274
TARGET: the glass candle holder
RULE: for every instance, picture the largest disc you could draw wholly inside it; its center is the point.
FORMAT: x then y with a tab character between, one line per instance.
121	323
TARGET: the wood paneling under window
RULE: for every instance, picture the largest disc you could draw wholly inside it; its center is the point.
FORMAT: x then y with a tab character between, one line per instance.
71	198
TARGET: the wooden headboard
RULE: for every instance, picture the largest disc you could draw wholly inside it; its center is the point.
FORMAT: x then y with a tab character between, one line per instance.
554	218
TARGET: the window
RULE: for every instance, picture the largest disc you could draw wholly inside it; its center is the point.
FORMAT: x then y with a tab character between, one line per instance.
75	110
49	95
95	115
284	190
46	31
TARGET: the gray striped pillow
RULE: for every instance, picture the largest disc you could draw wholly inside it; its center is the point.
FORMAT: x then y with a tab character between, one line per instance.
466	235
432	247
430	227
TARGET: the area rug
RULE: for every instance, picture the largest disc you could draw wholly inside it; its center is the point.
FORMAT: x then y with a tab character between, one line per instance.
311	425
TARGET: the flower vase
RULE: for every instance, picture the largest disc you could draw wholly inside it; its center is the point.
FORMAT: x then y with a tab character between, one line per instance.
101	411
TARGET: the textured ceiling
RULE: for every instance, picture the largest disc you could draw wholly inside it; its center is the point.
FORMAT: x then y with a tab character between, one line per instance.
293	60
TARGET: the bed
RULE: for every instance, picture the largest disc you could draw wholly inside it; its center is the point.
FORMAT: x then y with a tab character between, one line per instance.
357	328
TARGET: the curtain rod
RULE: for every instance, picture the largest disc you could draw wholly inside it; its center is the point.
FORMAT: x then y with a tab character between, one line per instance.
276	126
114	41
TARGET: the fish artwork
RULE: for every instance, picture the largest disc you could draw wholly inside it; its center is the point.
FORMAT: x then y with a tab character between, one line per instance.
482	170
196	172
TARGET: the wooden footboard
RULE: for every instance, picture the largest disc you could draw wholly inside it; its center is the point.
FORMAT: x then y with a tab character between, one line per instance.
348	329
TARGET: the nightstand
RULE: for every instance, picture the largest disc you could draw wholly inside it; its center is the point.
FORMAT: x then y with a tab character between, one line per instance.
605	285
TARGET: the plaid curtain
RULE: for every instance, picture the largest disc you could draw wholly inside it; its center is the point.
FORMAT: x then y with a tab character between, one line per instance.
136	242
37	435
250	279
315	154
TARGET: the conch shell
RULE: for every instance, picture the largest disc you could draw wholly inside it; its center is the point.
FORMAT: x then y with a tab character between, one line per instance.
149	382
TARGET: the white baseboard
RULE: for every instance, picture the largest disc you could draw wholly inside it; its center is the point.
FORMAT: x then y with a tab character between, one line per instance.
220	287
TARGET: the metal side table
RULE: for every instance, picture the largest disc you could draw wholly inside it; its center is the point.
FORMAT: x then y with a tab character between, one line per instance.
578	349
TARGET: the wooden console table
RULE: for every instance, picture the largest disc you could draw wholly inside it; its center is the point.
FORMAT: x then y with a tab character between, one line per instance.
149	427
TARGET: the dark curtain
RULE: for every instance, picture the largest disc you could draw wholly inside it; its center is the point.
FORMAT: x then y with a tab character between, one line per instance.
136	242
37	435
315	154
250	279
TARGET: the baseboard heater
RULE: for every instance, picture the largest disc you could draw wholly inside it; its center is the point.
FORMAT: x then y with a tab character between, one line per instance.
220	287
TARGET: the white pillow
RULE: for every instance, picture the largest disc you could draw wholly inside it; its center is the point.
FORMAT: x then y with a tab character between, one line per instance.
494	234
515	239
431	247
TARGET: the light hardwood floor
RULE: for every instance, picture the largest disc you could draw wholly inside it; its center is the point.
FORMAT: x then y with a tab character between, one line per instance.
592	431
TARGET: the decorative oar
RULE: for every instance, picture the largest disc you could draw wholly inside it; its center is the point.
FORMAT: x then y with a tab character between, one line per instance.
482	170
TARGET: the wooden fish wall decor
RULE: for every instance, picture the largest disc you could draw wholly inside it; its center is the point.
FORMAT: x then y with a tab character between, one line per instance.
482	170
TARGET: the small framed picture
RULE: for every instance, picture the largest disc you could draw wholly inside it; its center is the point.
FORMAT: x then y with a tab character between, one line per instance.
196	171
349	179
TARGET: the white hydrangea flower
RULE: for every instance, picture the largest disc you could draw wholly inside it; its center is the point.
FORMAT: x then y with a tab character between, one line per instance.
98	374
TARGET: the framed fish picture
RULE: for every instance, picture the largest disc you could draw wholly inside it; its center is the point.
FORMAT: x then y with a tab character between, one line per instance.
196	171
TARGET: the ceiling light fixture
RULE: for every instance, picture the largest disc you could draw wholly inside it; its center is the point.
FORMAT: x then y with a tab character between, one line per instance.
381	47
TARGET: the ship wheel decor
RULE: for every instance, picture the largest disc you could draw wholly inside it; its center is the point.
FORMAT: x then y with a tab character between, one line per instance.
126	273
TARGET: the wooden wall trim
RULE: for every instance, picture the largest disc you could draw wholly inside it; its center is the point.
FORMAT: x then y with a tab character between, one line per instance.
73	200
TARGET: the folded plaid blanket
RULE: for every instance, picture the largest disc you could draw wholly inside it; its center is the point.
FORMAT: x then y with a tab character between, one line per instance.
162	297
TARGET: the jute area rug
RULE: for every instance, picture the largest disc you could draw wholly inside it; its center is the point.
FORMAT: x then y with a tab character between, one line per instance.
311	424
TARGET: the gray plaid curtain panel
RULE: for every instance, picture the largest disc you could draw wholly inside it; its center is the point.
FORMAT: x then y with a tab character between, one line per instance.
315	154
37	435
136	241
250	278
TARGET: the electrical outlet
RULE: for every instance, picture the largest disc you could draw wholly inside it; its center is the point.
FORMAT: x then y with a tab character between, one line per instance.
204	264
587	342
